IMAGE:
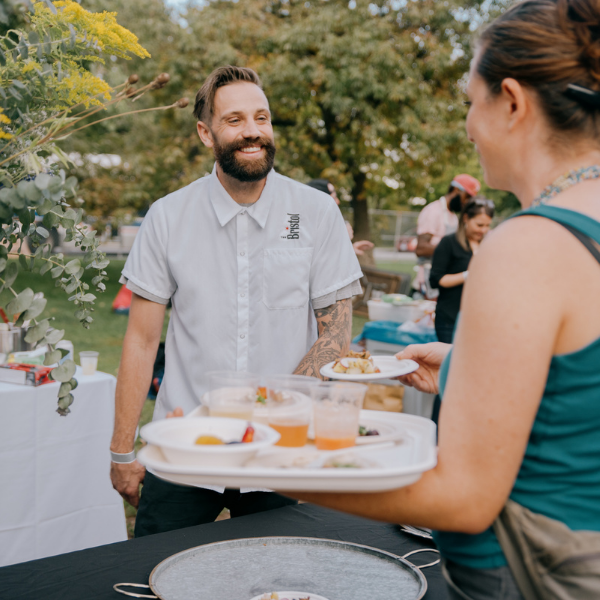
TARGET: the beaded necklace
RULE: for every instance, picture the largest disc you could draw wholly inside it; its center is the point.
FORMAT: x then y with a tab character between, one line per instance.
566	181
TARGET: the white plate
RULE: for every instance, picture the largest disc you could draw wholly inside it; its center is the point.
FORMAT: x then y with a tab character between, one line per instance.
398	465
388	365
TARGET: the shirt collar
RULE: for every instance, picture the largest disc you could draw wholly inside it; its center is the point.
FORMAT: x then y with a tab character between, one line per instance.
226	207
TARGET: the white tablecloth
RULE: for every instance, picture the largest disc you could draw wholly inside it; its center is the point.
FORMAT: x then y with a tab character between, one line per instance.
55	490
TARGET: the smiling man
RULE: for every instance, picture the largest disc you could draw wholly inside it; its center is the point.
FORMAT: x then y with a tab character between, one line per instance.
260	273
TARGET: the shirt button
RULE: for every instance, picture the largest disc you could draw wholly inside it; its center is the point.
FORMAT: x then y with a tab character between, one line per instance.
243	212
243	295
242	336
242	254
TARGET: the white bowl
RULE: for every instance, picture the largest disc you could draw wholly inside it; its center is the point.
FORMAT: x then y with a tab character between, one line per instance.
176	437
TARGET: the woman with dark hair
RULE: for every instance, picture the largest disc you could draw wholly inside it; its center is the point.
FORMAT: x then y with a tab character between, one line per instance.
520	420
449	268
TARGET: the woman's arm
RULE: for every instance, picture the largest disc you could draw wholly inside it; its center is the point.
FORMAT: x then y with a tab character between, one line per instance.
450	281
502	352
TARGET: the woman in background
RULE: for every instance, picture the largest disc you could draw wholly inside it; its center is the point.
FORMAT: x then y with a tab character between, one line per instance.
451	259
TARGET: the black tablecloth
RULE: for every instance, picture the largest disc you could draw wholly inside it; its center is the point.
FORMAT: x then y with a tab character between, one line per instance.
90	574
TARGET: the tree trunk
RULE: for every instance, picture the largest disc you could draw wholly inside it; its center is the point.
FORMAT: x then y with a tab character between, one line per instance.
361	225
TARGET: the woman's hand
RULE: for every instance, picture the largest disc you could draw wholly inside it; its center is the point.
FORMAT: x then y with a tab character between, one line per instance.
430	358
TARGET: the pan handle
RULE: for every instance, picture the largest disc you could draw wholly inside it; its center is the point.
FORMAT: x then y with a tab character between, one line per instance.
424	550
117	588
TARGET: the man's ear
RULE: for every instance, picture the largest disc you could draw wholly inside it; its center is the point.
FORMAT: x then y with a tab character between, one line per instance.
205	134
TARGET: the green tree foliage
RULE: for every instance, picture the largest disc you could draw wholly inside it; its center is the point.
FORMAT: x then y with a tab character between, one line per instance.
367	94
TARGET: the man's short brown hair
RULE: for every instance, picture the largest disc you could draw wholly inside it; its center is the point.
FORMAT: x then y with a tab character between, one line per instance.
205	98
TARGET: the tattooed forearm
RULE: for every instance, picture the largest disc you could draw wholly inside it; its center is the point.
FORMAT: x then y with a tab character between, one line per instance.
335	330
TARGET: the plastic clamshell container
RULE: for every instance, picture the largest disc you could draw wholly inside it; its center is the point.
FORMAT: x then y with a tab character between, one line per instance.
176	438
385	311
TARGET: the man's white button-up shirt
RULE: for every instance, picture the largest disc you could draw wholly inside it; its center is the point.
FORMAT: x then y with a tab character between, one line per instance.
240	278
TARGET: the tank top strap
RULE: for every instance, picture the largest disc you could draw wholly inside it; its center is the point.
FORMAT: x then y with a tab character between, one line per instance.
564	216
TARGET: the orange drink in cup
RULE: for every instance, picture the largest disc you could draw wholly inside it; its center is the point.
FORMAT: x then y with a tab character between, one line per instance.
289	406
336	407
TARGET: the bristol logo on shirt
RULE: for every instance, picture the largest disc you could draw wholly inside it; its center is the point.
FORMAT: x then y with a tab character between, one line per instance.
292	227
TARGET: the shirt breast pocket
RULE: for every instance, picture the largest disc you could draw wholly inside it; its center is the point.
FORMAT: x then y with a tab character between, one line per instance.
286	277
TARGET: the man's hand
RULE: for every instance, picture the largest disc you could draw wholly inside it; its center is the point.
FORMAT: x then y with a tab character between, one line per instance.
126	480
430	358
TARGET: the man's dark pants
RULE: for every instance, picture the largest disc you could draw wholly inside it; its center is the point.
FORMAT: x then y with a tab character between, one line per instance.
166	506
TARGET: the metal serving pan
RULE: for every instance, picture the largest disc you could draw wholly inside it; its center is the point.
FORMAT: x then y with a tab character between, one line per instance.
246	568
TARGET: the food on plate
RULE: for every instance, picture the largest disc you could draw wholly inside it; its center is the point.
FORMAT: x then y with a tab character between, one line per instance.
356	363
349	461
261	395
365	431
248	434
208	440
213	440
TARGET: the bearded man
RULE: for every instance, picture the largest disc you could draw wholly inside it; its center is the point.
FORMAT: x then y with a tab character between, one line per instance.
260	273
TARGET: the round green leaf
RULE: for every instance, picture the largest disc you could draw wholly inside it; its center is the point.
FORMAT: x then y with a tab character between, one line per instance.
64	372
65	389
73	266
21	302
63	405
74	383
11	274
37	332
54	336
37	308
42	181
50	220
3	263
52	357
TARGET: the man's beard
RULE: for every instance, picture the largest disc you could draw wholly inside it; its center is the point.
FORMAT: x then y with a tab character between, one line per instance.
253	170
455	204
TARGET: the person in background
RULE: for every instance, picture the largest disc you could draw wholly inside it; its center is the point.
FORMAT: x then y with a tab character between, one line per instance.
437	220
326	186
449	268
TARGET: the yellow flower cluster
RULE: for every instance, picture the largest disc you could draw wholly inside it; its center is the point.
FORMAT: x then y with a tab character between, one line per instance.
103	28
82	86
5	120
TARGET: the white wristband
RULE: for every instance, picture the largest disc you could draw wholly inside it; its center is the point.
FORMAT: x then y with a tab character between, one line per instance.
122	459
465	275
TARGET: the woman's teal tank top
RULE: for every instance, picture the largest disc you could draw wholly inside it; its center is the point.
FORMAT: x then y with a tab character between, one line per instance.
560	473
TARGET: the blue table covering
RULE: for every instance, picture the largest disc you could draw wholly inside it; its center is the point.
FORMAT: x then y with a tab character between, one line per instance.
387	331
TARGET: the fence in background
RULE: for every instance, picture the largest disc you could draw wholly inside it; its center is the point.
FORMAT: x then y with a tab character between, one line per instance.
387	226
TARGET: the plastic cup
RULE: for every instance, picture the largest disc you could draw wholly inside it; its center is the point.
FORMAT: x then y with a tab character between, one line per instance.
289	407
336	407
232	394
88	362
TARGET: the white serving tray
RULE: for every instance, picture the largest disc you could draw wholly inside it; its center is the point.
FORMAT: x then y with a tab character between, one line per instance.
398	464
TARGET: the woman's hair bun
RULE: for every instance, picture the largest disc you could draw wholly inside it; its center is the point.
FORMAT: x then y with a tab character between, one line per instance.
581	20
552	47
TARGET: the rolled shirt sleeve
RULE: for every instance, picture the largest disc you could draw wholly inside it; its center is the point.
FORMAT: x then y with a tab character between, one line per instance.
146	271
334	263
